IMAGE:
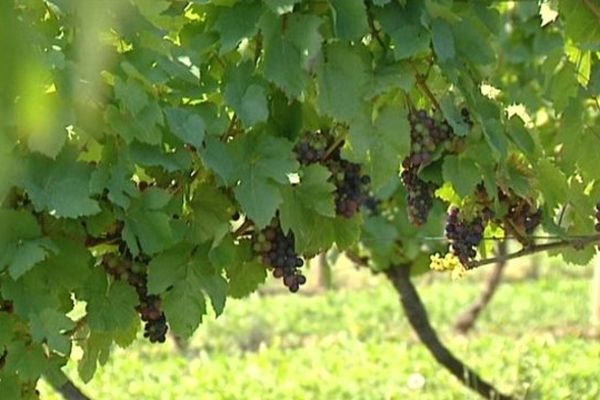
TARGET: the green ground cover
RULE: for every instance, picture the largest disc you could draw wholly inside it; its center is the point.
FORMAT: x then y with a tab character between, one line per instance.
357	344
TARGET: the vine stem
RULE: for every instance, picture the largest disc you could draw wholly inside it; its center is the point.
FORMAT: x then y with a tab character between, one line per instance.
373	28
423	86
399	276
505	238
335	145
243	228
231	131
78	325
539	248
68	390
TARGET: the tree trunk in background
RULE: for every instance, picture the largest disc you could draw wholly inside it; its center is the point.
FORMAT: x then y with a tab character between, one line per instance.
596	295
323	272
533	272
467	319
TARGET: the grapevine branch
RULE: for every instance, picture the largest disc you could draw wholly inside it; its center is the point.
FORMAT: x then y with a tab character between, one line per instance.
399	276
577	243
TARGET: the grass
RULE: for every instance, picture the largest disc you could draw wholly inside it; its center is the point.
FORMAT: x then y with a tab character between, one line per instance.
357	344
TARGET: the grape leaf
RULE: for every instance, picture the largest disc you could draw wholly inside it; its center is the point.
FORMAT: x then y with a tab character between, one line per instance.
443	39
236	23
31	293
246	95
184	274
342	81
289	52
48	326
552	183
350	19
581	22
29	362
262	164
211	214
109	307
403	24
151	228
382	143
463	173
186	125
184	307
244	278
24	255
131	95
96	349
60	187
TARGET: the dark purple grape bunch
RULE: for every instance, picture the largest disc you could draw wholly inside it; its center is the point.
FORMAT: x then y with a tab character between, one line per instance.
427	136
419	195
276	250
149	306
464	236
312	148
351	186
155	322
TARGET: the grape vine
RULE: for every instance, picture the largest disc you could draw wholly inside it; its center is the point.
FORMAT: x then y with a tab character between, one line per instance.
186	123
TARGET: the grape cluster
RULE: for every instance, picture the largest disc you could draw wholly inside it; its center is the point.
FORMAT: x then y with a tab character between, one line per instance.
277	251
464	236
149	307
427	136
352	186
419	196
312	148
